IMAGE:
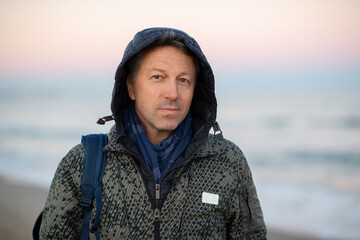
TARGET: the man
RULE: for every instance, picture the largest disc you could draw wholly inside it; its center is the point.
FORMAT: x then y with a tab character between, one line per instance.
166	177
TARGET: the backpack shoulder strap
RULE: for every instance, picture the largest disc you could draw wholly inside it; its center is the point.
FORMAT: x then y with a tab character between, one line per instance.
94	165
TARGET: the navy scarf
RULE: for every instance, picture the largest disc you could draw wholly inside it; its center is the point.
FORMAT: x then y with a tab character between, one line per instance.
158	158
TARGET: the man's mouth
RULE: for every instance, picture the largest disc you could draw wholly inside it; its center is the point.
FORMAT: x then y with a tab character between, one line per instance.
169	109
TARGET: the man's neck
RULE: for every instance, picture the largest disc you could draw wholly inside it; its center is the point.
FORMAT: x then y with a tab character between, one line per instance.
156	137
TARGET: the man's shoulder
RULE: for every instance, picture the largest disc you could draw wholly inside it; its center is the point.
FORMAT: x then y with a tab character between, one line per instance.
73	158
77	151
216	144
224	147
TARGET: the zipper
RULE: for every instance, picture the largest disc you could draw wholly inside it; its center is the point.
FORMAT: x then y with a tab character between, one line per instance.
153	204
157	212
171	169
157	203
157	191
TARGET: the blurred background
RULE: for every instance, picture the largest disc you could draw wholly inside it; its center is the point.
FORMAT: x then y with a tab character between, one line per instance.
287	82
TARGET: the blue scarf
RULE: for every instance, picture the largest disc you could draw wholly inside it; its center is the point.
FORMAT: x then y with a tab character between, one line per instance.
158	158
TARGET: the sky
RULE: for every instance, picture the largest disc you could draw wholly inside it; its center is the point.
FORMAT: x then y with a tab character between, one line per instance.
80	38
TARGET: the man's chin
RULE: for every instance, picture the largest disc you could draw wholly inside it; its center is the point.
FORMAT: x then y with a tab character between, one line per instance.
169	126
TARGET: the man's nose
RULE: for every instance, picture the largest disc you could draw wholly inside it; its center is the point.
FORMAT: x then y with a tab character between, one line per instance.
171	91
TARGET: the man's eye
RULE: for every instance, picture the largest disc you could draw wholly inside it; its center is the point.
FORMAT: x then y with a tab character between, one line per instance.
184	80
157	77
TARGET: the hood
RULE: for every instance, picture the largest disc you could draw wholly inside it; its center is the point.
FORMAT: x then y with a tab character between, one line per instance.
203	106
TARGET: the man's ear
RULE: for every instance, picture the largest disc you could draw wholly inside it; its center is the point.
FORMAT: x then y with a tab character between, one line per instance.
130	87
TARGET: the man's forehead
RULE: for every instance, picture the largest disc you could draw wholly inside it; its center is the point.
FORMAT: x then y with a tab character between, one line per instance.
164	55
161	50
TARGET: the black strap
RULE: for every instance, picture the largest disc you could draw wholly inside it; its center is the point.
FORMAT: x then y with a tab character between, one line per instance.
36	229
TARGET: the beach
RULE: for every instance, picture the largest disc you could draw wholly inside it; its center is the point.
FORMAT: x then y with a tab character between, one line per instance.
21	203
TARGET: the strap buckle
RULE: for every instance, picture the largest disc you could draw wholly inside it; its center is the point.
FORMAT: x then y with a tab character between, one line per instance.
86	205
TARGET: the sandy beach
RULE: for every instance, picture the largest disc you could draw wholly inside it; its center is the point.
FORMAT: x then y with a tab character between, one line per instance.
21	203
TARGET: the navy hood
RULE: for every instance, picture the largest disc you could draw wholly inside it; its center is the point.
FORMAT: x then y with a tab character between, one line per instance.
203	106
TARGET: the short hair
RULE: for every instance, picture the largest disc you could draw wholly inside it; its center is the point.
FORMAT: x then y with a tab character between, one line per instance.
168	39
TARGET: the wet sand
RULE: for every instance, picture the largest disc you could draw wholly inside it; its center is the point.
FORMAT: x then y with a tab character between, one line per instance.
20	204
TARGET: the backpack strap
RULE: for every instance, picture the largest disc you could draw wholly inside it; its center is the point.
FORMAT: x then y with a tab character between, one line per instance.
94	165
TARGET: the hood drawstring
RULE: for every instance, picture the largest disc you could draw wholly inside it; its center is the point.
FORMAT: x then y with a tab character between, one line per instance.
217	131
105	119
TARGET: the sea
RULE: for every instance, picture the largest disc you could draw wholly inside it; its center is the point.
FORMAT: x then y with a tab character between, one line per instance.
302	142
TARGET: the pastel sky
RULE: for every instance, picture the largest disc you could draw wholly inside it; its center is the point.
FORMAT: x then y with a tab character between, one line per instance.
42	37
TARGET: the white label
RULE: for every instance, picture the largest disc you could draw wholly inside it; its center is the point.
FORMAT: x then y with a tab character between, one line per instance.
210	198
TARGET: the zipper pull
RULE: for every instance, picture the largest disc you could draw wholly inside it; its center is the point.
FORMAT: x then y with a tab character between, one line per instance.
157	191
156	214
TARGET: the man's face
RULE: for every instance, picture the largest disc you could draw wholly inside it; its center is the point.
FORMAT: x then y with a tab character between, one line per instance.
163	90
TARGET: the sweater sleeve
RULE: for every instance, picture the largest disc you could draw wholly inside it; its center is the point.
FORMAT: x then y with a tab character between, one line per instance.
247	220
61	216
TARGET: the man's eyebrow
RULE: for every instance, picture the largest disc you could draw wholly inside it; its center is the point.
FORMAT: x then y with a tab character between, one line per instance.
156	69
163	71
